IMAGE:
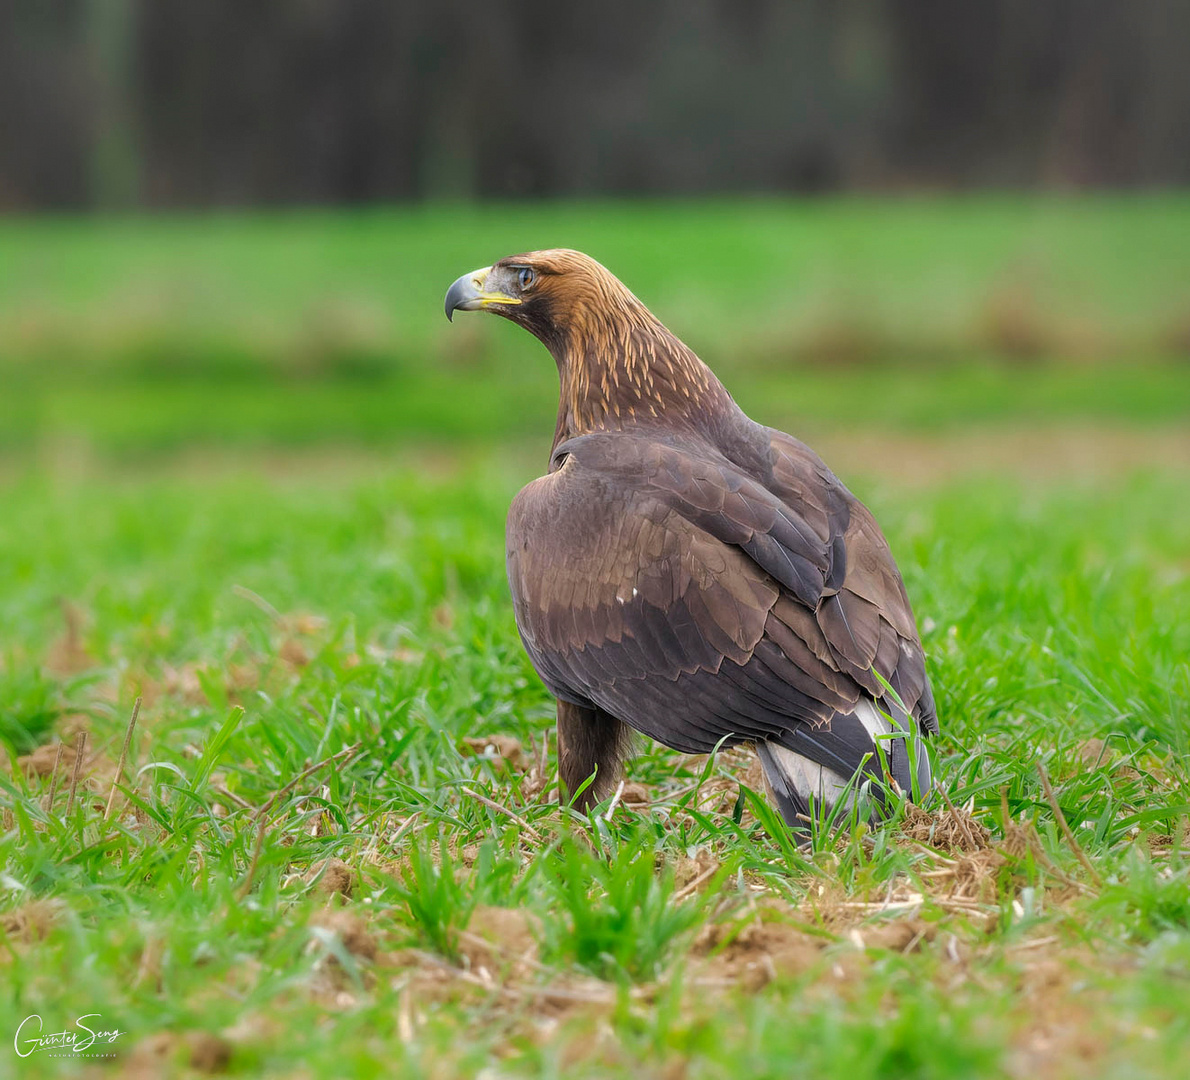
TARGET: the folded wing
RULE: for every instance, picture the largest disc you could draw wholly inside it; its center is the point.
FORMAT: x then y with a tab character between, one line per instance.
699	603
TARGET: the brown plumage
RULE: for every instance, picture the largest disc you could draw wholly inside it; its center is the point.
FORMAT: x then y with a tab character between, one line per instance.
686	573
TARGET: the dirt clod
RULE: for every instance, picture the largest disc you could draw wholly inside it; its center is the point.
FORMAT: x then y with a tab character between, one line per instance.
31	921
689	871
635	794
41	761
351	930
498	939
332	877
757	954
294	652
897	935
208	1053
498	749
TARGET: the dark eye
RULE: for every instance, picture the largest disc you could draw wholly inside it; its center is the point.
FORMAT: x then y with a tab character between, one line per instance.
527	277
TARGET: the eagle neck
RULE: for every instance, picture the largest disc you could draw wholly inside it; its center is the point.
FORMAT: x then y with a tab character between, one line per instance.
632	373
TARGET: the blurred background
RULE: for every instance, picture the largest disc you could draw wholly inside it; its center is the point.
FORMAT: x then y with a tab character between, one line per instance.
119	103
227	225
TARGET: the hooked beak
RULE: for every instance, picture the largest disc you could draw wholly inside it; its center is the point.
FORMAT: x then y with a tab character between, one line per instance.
469	294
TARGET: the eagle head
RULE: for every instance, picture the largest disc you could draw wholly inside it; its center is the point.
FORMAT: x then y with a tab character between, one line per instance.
556	295
619	367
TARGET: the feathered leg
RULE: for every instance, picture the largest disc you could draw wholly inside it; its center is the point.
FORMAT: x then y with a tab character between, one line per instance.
589	741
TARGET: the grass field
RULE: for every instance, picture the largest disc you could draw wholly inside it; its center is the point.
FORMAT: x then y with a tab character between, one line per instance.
335	849
148	335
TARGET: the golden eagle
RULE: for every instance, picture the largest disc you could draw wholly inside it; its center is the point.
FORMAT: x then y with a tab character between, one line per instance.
687	573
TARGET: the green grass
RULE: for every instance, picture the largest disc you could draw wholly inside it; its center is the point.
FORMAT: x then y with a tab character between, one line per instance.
1055	616
139	420
702	265
143	335
249	473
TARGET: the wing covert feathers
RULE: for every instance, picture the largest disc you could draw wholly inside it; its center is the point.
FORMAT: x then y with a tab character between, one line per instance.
698	598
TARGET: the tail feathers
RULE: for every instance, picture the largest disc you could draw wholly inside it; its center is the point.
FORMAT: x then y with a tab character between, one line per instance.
811	769
798	784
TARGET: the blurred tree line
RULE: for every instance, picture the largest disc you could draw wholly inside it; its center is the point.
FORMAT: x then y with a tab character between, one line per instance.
108	103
